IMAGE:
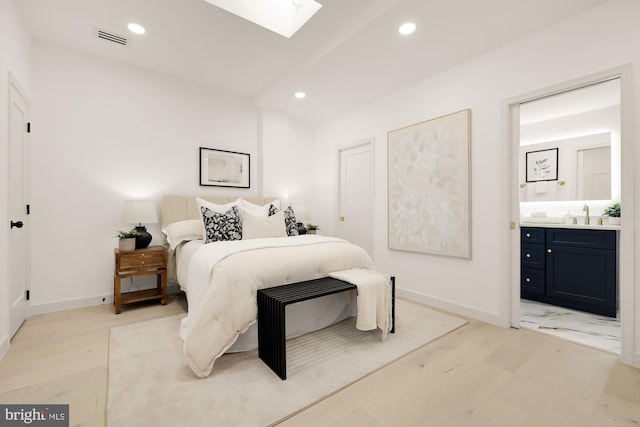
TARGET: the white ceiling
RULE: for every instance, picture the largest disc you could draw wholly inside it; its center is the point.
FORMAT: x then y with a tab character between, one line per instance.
588	98
348	54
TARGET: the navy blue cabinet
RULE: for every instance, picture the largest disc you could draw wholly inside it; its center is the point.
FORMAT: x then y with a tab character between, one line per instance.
532	261
570	268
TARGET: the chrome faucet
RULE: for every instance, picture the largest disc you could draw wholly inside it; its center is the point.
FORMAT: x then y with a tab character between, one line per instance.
586	218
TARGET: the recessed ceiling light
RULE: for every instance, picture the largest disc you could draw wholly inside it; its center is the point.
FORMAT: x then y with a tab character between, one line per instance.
300	95
136	28
406	29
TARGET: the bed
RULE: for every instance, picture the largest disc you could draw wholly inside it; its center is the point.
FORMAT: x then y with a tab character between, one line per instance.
221	278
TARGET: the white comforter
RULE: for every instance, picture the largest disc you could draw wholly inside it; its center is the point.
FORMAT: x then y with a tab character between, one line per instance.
224	278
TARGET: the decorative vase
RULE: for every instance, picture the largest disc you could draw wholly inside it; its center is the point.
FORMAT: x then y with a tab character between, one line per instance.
143	238
127	244
311	231
614	220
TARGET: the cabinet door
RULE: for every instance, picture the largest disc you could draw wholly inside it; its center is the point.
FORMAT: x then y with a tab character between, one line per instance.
600	239
585	277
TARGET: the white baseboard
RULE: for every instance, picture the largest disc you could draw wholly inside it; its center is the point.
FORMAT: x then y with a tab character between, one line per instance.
52	307
493	318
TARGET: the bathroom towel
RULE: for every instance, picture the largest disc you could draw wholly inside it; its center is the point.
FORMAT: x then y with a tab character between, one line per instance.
541	187
374	298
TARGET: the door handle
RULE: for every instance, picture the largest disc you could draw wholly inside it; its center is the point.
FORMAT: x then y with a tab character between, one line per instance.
17	224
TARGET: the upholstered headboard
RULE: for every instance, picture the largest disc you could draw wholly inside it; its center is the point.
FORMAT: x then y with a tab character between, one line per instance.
180	208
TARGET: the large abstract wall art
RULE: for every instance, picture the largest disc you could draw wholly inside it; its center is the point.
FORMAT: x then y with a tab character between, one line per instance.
429	170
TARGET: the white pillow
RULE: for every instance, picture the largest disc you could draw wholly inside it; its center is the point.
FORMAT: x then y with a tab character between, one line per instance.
259	210
215	207
183	231
257	226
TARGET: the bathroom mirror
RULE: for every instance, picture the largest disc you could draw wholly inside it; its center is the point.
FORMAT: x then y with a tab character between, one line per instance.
577	134
582	167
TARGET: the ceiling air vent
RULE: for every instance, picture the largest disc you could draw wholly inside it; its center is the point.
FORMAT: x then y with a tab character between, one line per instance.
111	37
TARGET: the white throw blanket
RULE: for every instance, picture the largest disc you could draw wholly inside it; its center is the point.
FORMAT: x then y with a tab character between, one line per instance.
224	278
374	298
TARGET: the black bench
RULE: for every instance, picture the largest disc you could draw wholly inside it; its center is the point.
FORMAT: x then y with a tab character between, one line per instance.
272	302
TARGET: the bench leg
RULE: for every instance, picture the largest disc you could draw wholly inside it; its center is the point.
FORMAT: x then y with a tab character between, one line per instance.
272	344
393	305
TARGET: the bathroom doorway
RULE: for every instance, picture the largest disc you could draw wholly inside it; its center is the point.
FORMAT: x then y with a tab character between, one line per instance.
552	132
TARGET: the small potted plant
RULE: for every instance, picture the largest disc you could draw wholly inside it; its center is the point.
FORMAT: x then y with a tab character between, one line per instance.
312	229
613	212
127	240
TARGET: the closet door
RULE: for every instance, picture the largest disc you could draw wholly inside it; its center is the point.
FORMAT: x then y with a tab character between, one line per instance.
18	234
355	222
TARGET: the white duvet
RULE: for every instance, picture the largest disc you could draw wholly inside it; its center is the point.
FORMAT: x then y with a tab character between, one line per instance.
224	278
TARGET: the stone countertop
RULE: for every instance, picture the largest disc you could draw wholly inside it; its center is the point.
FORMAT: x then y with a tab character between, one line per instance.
576	226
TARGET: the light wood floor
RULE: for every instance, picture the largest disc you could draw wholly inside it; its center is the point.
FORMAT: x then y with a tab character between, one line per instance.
479	375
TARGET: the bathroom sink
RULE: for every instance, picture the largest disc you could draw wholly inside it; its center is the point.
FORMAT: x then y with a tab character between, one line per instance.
543	219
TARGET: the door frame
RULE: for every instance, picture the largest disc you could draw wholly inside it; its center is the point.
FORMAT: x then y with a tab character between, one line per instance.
626	255
14	84
370	144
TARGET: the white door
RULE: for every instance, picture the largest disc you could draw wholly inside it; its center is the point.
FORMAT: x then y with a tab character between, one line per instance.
355	222
594	173
18	252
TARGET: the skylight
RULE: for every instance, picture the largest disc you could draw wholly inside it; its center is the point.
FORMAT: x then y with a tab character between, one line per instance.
284	17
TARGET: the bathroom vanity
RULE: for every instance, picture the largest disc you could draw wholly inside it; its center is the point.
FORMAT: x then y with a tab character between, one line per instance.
570	267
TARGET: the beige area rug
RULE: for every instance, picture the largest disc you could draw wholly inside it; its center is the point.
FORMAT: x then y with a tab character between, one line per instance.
150	385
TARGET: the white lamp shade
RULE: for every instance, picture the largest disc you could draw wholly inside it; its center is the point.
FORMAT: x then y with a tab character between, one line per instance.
301	212
139	212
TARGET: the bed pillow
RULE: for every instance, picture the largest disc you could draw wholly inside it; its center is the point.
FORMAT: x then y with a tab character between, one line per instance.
216	207
183	231
221	226
289	220
258	226
255	209
260	210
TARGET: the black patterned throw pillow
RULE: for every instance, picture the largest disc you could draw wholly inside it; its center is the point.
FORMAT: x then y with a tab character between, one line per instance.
221	226
289	220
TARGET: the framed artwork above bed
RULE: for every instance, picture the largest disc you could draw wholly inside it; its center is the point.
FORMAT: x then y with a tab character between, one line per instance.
220	168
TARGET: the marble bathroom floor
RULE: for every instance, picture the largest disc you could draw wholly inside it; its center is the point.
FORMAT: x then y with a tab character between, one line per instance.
596	331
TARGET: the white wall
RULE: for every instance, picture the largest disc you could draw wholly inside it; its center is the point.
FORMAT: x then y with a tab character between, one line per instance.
104	132
286	144
600	39
15	57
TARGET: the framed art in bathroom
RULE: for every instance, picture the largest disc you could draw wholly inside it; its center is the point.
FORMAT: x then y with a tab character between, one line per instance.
542	165
220	168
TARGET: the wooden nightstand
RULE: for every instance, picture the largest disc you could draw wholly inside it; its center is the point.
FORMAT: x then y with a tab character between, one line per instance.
141	262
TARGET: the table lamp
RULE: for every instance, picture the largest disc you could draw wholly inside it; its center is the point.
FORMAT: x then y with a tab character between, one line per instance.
138	212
